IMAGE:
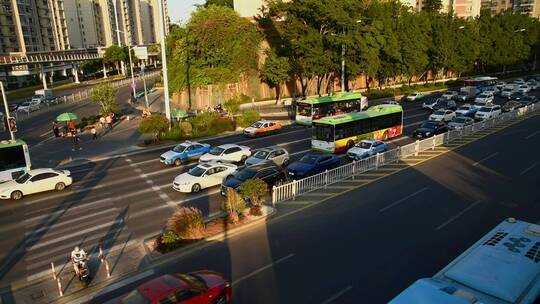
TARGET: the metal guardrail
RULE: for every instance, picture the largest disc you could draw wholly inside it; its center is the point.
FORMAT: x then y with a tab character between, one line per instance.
354	169
21	115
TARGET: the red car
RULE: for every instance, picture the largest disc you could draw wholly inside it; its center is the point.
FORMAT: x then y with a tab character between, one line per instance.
200	287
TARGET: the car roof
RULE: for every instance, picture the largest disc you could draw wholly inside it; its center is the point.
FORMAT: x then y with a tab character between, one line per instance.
227	146
157	287
41	170
270	149
261	166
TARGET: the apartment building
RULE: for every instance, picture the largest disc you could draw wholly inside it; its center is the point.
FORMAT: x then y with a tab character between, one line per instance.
529	7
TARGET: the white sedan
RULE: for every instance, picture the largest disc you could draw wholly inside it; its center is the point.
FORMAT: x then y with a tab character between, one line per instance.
442	115
34	181
524	88
227	153
203	176
414	96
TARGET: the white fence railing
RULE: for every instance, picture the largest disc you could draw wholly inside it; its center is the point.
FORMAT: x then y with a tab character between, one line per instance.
76	97
352	170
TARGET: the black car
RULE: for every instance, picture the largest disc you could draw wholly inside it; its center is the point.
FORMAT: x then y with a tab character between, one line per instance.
429	129
526	101
517	96
512	105
13	107
269	173
443	104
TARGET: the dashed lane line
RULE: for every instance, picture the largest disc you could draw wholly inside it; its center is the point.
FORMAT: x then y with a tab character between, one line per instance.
455	217
337	295
251	274
403	199
485	158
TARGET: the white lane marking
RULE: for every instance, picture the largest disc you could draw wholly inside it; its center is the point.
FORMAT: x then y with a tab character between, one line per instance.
300	152
73	220
403	199
485	158
457	215
532	135
337	295
416	115
45	134
70	208
293	142
529	168
249	275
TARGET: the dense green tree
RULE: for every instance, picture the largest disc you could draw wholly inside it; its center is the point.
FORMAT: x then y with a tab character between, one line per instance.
92	66
226	3
275	71
114	55
105	96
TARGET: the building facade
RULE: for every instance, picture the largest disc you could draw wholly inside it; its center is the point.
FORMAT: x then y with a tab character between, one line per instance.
48	25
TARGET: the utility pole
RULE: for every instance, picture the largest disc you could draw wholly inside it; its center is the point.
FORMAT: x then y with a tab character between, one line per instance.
6	109
144	84
133	85
164	62
343	85
123	67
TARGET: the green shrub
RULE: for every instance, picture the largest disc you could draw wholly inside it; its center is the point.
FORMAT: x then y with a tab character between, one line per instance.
174	134
377	94
254	190
248	118
185	128
234	205
187	223
169	241
155	125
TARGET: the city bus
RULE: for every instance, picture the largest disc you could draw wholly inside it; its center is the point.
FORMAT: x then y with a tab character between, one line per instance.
503	267
335	134
315	108
481	83
14	159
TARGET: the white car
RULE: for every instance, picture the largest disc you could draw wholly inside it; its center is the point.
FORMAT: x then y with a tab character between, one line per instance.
519	81
524	88
414	96
28	106
500	85
485	97
492	90
450	95
442	115
460	122
430	103
227	153
533	84
488	112
507	91
34	181
203	176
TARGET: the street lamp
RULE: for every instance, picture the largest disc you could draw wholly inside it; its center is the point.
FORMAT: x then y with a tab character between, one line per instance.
164	61
118	35
133	85
6	109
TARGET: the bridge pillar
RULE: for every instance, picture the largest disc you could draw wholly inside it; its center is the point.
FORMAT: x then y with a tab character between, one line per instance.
43	76
75	70
104	71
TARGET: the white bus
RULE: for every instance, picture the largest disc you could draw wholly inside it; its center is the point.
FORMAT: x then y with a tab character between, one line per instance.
14	159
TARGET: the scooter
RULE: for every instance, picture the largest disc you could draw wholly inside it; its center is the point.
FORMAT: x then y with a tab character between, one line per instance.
84	273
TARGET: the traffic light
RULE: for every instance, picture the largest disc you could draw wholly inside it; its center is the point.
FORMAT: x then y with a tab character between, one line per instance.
12	124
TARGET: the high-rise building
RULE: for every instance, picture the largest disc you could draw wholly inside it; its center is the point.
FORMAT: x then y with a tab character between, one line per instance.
528	7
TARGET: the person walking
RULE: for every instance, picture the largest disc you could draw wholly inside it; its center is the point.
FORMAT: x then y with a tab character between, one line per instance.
76	143
72	126
94	133
102	122
108	122
55	129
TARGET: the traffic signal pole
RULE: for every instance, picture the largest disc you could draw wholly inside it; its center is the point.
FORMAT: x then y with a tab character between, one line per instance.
6	109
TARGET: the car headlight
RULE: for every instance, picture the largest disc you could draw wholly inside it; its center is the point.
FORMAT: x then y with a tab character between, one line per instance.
428	133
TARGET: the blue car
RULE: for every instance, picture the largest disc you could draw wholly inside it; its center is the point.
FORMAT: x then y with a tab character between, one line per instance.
184	152
312	164
466	110
367	148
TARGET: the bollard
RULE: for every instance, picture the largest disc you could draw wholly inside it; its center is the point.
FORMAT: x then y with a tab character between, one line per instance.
59	284
353	168
325	178
53	271
294	189
274	196
416	147
104	261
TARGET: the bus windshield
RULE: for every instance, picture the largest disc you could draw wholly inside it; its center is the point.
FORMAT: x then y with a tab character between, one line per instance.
12	157
303	109
323	132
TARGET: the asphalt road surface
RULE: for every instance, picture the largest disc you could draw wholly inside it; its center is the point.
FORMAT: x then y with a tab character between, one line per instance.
369	244
111	202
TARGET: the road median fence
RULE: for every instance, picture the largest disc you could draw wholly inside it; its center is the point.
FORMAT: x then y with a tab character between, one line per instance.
355	169
77	97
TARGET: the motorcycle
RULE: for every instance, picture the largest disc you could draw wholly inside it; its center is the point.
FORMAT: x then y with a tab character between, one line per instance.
84	273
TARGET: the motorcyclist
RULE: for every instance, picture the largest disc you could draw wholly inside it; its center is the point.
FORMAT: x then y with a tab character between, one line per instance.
77	255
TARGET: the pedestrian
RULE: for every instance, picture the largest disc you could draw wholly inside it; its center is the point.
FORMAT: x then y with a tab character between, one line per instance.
72	126
76	142
94	133
108	122
102	121
55	129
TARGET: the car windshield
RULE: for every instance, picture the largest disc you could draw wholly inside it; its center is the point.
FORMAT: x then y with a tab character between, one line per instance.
484	109
364	145
197	171
245	174
483	95
439	112
193	280
261	154
25	104
441	103
507	90
465	108
309	159
428	125
179	148
459	120
135	297
216	151
257	125
23	178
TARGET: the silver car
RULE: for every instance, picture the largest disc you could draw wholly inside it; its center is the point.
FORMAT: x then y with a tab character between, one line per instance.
277	155
459	122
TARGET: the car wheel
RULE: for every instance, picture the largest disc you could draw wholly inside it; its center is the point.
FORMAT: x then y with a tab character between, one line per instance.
285	163
350	144
196	188
221	300
243	158
60	186
385	135
16	195
178	162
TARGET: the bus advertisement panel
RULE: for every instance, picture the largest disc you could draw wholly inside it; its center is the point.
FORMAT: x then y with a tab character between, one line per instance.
482	83
503	267
14	159
315	108
337	134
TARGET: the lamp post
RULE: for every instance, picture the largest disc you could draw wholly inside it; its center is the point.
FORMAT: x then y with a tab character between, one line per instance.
6	109
164	61
122	66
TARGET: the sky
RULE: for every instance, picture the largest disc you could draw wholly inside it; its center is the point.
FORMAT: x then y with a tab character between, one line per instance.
180	10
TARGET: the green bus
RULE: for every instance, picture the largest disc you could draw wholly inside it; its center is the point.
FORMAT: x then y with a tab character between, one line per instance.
336	134
315	108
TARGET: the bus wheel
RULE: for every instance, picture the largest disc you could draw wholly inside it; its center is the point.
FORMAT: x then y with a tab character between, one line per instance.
16	195
350	144
385	135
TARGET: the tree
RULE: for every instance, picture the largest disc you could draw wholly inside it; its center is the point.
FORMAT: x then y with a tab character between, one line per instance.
92	66
105	96
232	106
225	3
114	54
254	190
155	125
234	205
275	71
432	6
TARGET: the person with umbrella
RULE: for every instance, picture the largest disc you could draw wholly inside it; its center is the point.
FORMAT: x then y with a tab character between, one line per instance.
68	118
